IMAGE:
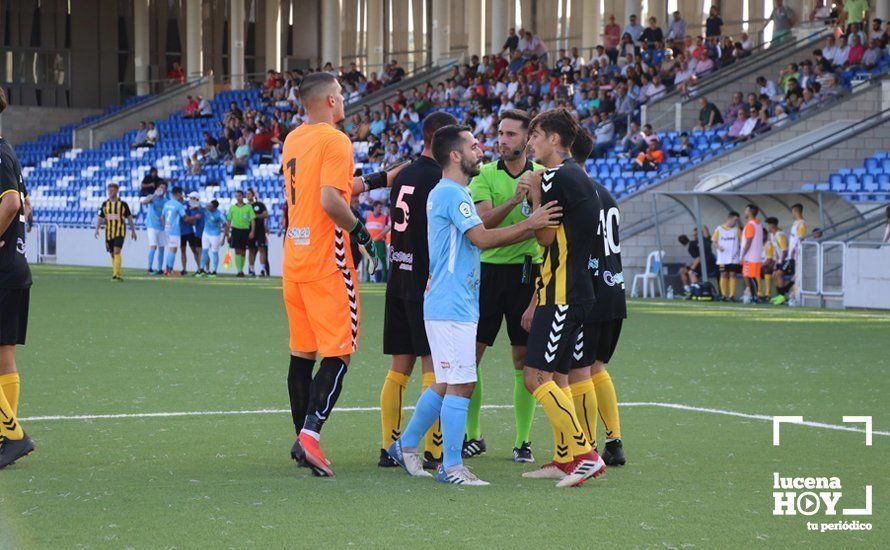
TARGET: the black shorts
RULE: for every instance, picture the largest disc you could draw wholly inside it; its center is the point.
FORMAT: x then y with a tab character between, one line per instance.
240	238
603	339
191	240
502	295
13	315
730	268
115	242
403	330
553	344
258	241
787	266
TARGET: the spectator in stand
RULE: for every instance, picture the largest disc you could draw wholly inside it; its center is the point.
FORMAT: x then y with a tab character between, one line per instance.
704	65
205	108
855	12
872	55
769	87
612	38
821	12
732	110
746	42
857	50
807	76
634	29
763	122
652	34
787	73
176	73
604	135
783	19
578	62
141	137
833	88
152	136
780	118
650	159
262	143
808	99
631	139
732	134
749	125
535	47
676	32
876	32
684	148
209	154
708	114
191	107
395	72
512	42
841	54
241	158
713	24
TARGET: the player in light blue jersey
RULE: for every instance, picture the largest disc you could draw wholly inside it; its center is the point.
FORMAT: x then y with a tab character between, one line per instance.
172	214
214	234
155	226
451	302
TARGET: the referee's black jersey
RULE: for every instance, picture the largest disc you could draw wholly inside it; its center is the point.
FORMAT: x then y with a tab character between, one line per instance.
565	275
14	270
409	254
606	269
115	214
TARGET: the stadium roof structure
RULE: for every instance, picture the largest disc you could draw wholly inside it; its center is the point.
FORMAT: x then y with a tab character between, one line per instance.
710	208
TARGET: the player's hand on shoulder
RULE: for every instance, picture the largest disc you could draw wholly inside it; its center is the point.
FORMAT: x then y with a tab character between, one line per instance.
547	215
394	171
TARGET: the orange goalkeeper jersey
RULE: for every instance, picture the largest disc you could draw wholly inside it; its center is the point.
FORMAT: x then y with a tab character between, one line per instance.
315	155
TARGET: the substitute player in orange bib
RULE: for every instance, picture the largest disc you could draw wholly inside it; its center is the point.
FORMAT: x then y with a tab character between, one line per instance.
320	283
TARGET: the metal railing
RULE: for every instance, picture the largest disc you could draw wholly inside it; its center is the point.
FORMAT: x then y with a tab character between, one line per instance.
820	271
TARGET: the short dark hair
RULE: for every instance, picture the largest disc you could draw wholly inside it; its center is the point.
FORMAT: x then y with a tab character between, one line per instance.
433	122
113	184
516	114
733	213
772	220
239	191
3	101
177	190
215	203
684	240
797	206
753	208
314	83
557	121
445	140
582	146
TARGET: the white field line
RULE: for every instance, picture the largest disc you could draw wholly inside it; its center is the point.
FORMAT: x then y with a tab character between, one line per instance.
676	406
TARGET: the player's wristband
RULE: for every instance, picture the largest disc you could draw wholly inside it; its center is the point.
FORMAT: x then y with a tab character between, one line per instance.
360	232
375	180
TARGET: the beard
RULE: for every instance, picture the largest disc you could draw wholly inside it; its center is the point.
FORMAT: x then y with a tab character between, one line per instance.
510	154
469	167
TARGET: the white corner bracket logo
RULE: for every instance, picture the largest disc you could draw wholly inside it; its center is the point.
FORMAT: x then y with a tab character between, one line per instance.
808	496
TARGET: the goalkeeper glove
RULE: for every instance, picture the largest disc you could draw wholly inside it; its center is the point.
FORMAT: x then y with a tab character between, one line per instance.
360	233
375	180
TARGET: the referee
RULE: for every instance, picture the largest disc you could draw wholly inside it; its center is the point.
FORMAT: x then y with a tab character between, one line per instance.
15	285
507	275
113	212
240	224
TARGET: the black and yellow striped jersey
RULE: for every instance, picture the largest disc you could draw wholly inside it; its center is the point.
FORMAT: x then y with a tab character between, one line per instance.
565	276
115	213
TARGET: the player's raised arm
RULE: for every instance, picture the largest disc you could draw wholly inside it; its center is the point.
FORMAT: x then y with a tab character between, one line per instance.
541	218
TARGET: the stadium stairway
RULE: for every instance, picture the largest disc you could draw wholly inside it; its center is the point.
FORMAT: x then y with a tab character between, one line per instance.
724	83
638	236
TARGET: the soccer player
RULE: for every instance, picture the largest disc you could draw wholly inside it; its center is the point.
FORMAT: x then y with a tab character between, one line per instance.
752	250
154	223
172	214
319	279
507	276
796	234
115	213
15	289
565	290
216	232
778	244
241	225
190	232
258	245
726	240
451	303
404	336
377	223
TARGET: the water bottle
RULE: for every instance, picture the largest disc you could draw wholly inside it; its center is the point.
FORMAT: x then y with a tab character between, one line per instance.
670	293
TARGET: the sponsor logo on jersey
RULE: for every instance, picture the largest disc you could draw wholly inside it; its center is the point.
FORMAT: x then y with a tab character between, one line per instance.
299	235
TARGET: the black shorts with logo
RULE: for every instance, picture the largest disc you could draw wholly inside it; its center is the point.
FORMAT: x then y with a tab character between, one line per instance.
240	238
553	344
14	315
787	266
114	242
598	341
502	294
191	240
258	241
403	330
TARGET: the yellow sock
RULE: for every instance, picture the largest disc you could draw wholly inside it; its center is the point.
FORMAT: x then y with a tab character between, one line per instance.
607	404
11	384
433	439
584	396
391	407
767	285
9	425
560	445
561	414
724	284
116	265
732	283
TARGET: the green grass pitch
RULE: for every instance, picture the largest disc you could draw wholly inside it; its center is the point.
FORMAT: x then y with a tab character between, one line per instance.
694	478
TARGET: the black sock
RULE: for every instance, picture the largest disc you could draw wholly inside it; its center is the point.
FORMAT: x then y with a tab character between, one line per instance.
324	392
299	381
